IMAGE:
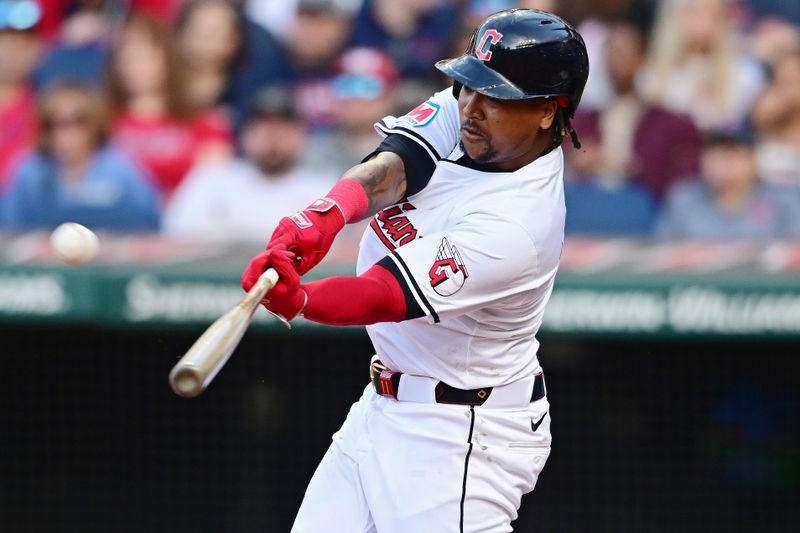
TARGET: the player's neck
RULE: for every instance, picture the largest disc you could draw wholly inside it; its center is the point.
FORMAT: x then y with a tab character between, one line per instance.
542	145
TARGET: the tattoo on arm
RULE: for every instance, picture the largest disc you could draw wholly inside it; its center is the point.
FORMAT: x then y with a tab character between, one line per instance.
383	178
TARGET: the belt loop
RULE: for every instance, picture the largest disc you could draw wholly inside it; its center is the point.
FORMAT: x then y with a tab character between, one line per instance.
539	390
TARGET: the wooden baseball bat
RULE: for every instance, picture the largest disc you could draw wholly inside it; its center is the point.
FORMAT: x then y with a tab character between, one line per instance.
195	370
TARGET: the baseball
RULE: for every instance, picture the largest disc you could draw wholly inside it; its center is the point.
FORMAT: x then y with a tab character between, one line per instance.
74	244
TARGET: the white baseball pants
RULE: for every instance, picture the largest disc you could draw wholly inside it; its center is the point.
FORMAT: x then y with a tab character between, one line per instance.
403	467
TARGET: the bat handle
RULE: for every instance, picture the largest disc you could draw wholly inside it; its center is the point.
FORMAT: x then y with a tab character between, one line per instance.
265	282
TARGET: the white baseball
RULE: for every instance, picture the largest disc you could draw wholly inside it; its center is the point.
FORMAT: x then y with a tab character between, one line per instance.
74	244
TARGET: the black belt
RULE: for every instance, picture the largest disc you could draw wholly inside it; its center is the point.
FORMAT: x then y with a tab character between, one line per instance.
387	383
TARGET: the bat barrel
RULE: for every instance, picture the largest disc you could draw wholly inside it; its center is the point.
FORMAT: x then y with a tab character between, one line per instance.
212	349
186	380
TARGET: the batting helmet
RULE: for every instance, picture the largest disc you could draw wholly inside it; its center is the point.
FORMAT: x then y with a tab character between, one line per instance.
523	53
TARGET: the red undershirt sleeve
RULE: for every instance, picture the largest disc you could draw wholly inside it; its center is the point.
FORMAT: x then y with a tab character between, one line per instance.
374	296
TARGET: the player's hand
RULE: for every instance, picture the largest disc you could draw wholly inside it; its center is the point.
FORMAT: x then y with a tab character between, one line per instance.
308	233
286	299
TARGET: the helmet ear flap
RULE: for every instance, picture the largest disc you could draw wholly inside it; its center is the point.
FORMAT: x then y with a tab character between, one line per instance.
457	85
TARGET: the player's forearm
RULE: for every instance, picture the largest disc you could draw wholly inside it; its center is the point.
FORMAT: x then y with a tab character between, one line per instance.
383	179
355	301
363	191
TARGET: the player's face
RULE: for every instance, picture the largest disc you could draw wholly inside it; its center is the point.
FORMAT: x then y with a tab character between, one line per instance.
506	134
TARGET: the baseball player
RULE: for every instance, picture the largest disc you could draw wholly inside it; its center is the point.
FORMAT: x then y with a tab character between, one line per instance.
454	272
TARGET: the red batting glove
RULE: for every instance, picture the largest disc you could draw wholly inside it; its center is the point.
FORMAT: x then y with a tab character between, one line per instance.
286	299
309	233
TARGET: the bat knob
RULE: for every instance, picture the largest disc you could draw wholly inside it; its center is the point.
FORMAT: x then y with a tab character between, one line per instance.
186	381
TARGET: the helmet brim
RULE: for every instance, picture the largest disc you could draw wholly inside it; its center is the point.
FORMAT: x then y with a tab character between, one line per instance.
473	73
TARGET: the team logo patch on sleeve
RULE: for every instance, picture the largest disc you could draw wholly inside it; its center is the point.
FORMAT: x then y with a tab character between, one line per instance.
448	272
423	113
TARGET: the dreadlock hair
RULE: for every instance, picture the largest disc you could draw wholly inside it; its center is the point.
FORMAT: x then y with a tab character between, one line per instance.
564	128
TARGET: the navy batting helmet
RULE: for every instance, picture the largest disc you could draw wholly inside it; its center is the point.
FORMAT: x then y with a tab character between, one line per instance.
523	53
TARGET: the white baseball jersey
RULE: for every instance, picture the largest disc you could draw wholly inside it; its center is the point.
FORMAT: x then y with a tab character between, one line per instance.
475	251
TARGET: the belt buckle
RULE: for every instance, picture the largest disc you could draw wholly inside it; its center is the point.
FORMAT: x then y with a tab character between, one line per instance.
375	367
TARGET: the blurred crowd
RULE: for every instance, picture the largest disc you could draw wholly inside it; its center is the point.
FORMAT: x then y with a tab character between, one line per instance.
211	119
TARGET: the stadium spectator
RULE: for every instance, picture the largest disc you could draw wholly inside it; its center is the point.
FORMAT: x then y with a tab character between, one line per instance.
777	117
319	33
20	49
211	37
365	87
630	139
155	121
631	150
594	28
415	33
243	199
697	64
228	57
771	38
81	46
729	201
75	175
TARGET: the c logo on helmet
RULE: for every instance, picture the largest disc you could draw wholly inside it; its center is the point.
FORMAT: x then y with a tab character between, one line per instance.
488	38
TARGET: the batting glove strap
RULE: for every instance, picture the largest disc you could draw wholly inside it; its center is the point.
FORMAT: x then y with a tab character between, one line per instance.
323	205
284	319
309	233
305	302
324	223
281	318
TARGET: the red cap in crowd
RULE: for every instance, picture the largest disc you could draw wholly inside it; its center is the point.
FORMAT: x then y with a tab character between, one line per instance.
364	73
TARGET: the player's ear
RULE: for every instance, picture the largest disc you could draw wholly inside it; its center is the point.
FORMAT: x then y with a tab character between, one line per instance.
548	109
